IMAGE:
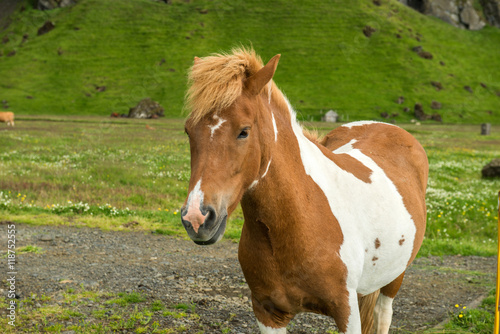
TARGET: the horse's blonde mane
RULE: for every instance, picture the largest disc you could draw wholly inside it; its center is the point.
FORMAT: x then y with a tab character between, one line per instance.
215	82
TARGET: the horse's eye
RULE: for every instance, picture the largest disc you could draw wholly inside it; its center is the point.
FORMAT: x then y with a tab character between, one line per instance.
243	134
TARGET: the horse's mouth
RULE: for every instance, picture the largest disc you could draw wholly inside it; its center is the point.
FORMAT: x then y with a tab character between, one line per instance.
215	235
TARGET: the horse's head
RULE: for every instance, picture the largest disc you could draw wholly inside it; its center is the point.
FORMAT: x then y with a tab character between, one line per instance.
227	136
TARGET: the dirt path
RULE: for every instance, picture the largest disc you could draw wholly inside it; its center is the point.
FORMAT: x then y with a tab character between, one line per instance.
178	271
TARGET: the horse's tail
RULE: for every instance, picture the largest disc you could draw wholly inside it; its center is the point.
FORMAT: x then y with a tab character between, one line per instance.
366	306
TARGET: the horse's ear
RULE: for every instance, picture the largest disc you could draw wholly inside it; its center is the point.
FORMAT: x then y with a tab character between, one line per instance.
197	60
256	82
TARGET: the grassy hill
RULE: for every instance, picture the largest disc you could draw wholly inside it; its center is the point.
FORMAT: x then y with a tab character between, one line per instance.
142	48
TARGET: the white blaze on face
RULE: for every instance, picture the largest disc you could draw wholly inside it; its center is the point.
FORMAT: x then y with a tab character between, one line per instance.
213	128
194	203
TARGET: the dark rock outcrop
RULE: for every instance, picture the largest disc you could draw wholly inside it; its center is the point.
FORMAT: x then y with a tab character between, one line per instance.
52	4
492	169
368	31
435	105
422	116
491	11
146	108
47	26
459	13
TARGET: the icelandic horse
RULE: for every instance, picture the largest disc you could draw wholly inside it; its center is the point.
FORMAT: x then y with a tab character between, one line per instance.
330	226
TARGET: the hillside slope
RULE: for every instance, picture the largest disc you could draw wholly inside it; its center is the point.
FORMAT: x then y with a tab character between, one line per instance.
142	48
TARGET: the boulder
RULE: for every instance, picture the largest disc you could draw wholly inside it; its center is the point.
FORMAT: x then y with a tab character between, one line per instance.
52	4
491	11
492	169
459	13
435	105
368	31
146	108
437	85
47	26
419	112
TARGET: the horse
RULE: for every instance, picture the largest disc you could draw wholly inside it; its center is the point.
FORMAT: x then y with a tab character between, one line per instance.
330	225
7	117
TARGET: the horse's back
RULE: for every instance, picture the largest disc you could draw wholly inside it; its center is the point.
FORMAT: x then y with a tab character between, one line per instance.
393	148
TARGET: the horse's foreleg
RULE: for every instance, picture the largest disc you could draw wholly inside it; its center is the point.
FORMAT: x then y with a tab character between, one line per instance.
270	319
383	309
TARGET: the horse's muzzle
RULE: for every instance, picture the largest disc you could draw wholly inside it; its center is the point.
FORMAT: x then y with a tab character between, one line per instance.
210	230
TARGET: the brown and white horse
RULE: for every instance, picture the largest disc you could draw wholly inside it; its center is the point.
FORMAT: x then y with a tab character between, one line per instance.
330	227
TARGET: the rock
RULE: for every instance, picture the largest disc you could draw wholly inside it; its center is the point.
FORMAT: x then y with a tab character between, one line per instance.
368	31
100	89
52	4
467	88
12	53
417	48
400	100
437	117
406	109
492	169
384	115
47	26
483	85
442	63
46	237
437	85
425	54
491	11
470	19
459	13
435	105
419	112
5	39
146	108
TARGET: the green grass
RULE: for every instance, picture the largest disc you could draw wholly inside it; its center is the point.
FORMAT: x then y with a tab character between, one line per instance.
327	62
118	175
478	320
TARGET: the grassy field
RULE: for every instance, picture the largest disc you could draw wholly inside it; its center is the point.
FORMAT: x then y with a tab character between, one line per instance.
143	48
106	173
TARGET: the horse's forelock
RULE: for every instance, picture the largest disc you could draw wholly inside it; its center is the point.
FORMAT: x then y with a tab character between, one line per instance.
215	82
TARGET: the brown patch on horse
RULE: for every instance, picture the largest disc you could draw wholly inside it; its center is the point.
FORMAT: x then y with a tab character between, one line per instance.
345	161
402	240
377	243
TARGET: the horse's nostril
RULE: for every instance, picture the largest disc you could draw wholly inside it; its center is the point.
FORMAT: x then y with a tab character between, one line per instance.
211	217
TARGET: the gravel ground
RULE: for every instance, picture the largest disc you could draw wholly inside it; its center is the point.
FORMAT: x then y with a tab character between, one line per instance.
178	271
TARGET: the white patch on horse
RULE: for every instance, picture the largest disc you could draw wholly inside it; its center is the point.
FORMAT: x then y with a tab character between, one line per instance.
255	182
365	212
361	123
216	126
382	314
267	169
194	203
275	128
270	330
345	148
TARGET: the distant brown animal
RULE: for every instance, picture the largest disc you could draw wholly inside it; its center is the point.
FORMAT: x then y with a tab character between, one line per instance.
149	127
7	117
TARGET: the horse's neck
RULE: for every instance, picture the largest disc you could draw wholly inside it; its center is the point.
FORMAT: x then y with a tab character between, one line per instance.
284	188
